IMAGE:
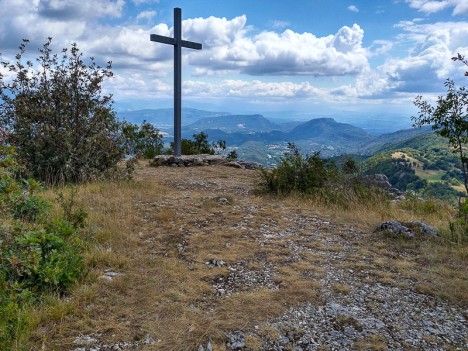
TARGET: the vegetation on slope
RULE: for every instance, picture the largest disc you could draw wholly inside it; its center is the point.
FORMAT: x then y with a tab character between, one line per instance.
424	164
40	253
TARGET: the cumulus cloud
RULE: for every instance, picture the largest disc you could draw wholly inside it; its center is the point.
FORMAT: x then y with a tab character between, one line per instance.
74	9
65	21
279	24
423	70
141	86
227	46
382	46
146	15
141	2
254	89
460	7
353	8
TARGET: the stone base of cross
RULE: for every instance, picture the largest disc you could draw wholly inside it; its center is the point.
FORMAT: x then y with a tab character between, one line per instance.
178	44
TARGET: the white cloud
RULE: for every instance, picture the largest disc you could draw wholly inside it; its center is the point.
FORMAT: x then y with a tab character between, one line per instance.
382	46
141	2
227	46
353	8
146	15
423	70
254	90
460	7
74	9
279	24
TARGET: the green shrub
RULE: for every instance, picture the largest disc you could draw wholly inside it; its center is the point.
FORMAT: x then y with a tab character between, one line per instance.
43	259
29	208
199	145
64	129
14	309
297	173
36	259
321	180
232	156
72	213
144	139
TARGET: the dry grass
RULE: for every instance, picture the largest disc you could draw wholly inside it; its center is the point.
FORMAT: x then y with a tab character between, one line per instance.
371	343
160	231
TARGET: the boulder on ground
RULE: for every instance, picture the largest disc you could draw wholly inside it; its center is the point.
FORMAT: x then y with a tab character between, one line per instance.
243	164
407	230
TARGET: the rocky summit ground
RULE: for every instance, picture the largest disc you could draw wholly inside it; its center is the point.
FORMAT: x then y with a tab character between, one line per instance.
195	260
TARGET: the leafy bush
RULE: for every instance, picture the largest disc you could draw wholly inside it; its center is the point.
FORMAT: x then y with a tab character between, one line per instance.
56	116
144	139
199	145
324	181
35	258
29	208
232	156
349	166
297	173
43	259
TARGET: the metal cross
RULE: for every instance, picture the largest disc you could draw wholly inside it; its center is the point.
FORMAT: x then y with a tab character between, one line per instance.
178	45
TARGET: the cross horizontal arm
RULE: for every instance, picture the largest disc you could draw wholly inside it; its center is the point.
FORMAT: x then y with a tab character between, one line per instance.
191	45
172	41
162	39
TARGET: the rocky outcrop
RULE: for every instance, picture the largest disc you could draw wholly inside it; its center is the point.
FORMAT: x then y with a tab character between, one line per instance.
200	160
243	164
187	160
381	181
407	230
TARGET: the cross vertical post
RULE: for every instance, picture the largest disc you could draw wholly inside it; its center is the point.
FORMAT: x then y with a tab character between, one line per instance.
178	43
177	81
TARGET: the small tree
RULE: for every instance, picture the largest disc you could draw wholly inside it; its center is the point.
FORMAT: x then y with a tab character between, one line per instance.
297	173
462	59
449	119
63	127
144	139
199	145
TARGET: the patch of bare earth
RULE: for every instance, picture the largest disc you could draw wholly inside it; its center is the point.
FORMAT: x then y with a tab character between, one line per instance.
190	257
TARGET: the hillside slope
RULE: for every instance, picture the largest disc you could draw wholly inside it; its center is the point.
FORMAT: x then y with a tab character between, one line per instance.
235	123
188	255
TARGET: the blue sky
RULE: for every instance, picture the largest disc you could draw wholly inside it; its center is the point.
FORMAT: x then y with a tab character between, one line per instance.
313	56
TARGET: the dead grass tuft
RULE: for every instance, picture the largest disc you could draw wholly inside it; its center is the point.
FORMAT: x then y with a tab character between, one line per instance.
372	343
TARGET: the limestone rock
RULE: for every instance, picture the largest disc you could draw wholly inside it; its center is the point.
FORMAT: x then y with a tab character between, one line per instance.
187	160
243	164
236	341
407	230
381	181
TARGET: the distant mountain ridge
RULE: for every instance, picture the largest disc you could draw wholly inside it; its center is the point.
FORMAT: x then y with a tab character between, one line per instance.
236	123
164	117
322	134
329	128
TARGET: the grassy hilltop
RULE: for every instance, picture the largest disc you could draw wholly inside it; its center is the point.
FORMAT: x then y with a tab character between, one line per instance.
183	255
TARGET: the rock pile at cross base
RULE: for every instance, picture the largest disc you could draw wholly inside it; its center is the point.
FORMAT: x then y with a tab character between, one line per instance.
200	160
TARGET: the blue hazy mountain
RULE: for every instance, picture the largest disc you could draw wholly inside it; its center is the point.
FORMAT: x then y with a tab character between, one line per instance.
164	118
235	123
329	129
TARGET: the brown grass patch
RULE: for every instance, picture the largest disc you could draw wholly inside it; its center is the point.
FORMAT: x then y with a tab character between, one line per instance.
372	343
